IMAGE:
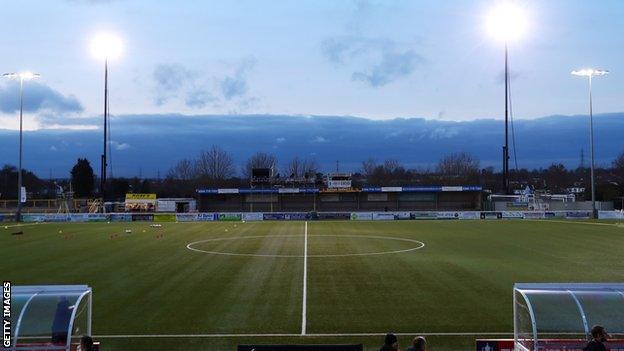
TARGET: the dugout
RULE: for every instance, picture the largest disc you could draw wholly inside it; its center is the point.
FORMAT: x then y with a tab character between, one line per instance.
49	317
414	198
560	316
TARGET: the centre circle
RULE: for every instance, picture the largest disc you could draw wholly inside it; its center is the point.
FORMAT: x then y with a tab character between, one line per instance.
415	245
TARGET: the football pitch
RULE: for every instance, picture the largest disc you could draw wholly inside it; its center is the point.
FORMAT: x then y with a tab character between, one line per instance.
213	285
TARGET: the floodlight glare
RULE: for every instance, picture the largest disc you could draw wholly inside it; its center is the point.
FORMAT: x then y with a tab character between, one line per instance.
28	75
106	46
507	22
22	75
590	72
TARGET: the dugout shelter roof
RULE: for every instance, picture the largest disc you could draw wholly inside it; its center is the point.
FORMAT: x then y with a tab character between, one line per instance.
49	317
544	312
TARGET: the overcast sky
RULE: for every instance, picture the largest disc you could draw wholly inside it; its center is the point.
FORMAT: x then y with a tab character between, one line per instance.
374	59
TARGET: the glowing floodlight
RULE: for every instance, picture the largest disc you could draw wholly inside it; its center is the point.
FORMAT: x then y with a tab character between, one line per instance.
507	22
106	46
22	75
590	72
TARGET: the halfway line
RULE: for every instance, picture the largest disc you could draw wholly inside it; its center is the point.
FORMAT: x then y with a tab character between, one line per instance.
305	280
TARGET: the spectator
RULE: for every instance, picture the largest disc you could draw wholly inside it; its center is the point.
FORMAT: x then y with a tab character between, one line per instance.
418	344
599	336
86	343
391	343
62	315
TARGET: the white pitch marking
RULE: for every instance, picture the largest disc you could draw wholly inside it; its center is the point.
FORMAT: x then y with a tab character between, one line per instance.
22	225
285	335
419	246
572	222
305	280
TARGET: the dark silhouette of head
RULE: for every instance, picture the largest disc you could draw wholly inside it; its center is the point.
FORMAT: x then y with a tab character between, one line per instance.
419	343
86	343
598	332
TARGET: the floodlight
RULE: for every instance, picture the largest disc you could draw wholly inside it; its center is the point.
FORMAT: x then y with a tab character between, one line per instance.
106	46
590	72
22	75
28	75
507	22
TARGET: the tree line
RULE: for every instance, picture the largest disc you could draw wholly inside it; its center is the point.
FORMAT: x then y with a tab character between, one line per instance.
215	167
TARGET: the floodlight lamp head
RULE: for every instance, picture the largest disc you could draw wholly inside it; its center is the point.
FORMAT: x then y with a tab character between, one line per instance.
29	75
105	46
590	72
26	75
507	22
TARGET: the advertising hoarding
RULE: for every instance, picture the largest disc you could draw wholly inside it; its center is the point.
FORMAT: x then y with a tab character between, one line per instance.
204	217
383	216
187	217
229	217
252	216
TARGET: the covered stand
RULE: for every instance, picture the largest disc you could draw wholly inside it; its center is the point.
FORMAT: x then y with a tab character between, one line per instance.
49	317
563	314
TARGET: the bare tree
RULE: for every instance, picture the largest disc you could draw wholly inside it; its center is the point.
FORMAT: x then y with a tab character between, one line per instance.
392	167
369	166
618	164
215	164
557	177
259	160
299	168
458	165
183	170
390	172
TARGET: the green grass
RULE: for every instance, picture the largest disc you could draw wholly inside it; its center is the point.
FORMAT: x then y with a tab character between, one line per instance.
461	281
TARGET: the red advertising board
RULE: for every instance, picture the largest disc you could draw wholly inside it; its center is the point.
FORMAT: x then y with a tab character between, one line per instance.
545	345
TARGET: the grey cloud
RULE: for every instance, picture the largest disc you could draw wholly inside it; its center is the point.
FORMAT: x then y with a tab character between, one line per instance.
170	79
376	61
236	85
199	98
393	65
344	49
37	97
334	49
232	87
173	81
241	135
